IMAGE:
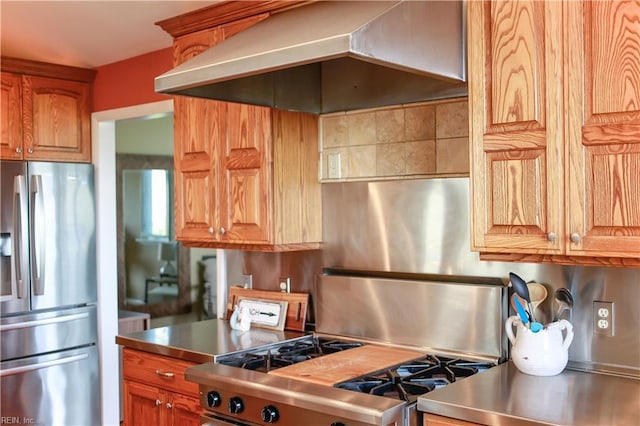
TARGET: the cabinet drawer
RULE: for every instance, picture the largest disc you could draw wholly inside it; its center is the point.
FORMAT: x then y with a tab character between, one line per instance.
156	370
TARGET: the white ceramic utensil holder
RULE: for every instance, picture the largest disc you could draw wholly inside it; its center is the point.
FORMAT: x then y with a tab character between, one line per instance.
544	353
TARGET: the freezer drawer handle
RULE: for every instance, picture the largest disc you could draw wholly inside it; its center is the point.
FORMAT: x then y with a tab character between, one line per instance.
163	374
46	364
55	320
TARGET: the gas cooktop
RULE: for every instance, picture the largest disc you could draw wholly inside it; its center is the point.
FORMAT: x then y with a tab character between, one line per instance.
405	381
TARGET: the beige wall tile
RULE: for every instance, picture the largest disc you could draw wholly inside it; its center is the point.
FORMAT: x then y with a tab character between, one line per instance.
362	128
452	155
390	125
420	123
390	159
362	161
452	119
334	131
423	139
420	157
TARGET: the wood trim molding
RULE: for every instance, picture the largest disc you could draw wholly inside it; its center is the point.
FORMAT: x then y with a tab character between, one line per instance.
222	13
45	69
250	246
562	259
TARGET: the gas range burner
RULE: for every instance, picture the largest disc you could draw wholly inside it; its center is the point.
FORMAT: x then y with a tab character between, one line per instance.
409	380
287	353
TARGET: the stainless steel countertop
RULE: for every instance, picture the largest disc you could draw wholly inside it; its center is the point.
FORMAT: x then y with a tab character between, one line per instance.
200	341
504	396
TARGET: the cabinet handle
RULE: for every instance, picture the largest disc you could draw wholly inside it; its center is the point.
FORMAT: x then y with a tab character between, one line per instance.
212	231
163	374
158	402
30	150
19	150
575	238
222	231
169	406
551	236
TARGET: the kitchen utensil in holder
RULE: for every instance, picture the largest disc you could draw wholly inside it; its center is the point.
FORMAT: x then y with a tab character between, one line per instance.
544	353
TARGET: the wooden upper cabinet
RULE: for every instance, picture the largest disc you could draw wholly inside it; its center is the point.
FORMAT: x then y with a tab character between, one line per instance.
196	123
56	116
515	100
11	113
555	165
45	111
246	176
602	128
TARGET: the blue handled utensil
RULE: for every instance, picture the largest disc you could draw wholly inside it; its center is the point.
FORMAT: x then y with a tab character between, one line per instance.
534	326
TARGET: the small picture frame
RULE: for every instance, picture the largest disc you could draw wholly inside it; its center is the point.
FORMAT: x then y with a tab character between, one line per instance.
269	314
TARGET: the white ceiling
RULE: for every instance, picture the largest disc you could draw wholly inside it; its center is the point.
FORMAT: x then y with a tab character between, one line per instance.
87	33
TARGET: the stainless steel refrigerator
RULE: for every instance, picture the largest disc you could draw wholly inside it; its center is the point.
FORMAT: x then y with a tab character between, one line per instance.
48	324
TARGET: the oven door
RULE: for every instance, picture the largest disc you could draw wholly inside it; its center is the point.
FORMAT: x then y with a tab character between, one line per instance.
210	420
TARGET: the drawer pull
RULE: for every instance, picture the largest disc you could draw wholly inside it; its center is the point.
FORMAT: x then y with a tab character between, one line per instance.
169	406
158	402
163	374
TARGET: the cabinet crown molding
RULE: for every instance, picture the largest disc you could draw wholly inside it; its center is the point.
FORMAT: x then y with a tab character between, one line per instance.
222	13
45	69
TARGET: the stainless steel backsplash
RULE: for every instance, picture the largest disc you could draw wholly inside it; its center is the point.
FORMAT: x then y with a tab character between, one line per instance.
422	227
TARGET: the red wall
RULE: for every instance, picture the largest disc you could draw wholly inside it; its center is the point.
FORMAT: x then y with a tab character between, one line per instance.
130	82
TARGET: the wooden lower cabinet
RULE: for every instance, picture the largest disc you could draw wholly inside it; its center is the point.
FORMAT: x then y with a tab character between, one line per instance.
155	391
433	420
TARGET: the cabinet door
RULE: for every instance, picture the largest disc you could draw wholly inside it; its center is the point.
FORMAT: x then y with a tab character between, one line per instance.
603	127
11	113
515	98
197	139
245	166
56	116
184	411
142	404
433	420
196	123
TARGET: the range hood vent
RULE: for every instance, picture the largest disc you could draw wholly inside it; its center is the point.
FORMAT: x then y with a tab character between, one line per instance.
334	56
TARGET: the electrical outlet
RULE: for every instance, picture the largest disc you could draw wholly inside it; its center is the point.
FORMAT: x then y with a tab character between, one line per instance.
333	165
603	318
247	280
285	285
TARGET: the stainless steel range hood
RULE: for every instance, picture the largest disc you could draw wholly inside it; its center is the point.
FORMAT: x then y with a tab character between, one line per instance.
334	56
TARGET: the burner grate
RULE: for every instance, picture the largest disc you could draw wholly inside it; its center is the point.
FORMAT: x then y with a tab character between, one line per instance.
409	380
288	353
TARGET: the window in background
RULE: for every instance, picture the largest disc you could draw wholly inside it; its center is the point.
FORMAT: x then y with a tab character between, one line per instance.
156	216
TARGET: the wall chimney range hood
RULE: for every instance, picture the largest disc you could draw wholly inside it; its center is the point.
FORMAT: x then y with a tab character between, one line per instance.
332	56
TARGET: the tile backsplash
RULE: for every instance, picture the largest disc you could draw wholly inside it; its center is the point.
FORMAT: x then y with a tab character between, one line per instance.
416	140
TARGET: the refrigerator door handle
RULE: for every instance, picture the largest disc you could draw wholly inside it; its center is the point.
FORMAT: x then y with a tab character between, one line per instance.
37	235
46	321
19	279
40	365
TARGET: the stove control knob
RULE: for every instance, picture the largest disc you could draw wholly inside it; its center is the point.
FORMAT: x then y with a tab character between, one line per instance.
214	399
235	405
270	414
